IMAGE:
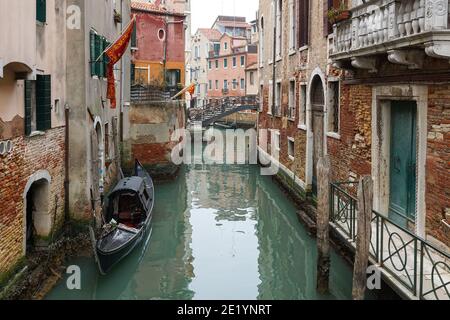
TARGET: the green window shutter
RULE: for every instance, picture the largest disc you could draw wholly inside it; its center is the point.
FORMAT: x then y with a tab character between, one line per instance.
43	103
133	71
98	52
92	46
41	11
178	76
105	57
134	37
28	107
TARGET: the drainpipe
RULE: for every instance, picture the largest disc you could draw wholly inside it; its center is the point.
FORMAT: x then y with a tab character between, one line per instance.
120	139
166	30
274	57
66	165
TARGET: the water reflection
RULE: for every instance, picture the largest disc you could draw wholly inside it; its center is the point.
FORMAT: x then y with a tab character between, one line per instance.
220	232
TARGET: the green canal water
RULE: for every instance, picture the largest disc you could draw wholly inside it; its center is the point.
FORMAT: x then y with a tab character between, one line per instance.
219	232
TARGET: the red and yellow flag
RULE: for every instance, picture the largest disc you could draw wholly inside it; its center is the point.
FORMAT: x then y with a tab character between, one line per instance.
115	52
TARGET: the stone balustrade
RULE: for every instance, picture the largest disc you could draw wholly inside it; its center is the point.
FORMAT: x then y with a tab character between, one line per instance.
382	25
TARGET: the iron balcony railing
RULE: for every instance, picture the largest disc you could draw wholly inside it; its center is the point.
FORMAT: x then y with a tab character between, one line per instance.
145	93
420	267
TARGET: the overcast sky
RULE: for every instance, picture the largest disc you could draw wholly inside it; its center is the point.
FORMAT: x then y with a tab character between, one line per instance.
205	12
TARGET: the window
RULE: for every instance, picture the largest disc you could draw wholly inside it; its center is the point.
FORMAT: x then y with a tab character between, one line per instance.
279	26
252	78
276	140
173	77
235	84
225	63
291	113
225	84
162	36
270	109
210	84
234	62
278	99
196	52
242	83
98	61
261	98
292	25
217	84
106	140
38	104
41	10
333	106
216	49
242	61
261	42
225	45
302	99
303	22
217	64
291	148
210	65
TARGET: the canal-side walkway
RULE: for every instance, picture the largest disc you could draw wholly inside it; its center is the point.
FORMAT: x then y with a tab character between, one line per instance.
415	268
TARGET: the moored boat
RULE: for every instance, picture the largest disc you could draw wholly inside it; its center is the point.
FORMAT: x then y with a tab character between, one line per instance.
128	216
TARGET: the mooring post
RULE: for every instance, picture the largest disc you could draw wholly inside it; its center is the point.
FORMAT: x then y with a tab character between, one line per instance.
323	219
365	201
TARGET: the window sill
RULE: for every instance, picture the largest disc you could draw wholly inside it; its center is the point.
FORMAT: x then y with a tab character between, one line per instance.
292	52
291	119
291	158
270	62
334	135
302	127
40	23
304	48
279	58
134	48
36	134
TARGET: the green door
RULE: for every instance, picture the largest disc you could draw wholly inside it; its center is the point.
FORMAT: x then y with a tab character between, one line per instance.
402	206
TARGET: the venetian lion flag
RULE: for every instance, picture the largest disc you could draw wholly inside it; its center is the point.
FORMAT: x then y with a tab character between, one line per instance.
115	52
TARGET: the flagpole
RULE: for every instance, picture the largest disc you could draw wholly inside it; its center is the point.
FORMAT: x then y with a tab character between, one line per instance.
107	48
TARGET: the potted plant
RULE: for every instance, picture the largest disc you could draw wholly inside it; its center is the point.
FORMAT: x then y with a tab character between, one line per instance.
339	14
117	17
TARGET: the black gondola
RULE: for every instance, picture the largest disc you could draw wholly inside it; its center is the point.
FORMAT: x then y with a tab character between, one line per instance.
128	216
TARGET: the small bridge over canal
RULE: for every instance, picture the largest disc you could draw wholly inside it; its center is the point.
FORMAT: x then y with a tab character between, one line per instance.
222	108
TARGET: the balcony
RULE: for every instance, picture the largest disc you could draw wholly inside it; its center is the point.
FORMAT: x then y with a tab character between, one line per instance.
405	30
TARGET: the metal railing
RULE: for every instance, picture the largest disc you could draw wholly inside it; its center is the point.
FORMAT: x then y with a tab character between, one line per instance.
419	266
222	107
144	93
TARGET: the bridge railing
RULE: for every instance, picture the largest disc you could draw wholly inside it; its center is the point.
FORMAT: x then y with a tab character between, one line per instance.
418	266
221	106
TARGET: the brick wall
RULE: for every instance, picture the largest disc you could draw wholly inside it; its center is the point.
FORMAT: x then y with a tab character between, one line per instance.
438	163
351	154
30	155
151	128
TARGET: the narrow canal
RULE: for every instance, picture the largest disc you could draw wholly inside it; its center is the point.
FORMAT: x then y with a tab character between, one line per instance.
220	232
